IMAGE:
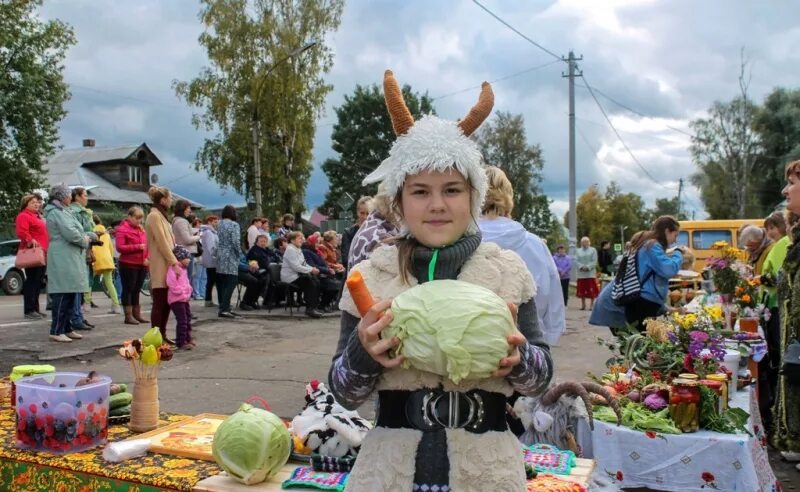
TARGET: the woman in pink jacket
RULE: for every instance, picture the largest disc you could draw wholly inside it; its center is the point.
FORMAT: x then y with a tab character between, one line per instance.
131	242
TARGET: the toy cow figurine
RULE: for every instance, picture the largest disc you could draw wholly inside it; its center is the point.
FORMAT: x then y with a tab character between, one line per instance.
326	427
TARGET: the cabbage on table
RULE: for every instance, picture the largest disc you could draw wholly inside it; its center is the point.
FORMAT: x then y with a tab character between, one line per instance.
251	445
451	328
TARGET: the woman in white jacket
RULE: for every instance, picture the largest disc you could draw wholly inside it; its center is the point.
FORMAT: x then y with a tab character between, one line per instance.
497	227
182	230
295	271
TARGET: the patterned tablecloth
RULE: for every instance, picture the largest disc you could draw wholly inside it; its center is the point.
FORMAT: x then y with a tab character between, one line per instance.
24	471
699	461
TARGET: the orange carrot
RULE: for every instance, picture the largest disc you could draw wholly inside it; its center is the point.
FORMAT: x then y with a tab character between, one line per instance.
360	293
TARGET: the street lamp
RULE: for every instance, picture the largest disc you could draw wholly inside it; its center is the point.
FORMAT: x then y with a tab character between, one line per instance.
622	236
256	123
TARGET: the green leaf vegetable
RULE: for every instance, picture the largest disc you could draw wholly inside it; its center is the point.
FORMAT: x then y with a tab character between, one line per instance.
637	417
731	421
251	445
451	328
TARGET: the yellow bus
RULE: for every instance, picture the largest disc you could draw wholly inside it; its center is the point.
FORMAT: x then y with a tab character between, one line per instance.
700	235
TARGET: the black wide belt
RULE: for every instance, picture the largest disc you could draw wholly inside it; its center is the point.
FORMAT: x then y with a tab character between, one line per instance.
428	410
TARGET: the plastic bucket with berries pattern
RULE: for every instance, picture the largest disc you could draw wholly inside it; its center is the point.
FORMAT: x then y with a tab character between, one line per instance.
56	416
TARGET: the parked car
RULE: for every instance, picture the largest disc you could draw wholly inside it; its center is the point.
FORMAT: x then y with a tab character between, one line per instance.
11	277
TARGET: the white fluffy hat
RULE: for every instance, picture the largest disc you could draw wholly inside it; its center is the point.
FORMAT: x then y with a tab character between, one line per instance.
433	144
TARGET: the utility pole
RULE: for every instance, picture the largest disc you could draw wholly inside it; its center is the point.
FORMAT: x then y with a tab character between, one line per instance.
257	161
680	191
573	217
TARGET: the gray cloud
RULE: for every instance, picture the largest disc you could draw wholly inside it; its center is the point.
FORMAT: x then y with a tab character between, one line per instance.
669	60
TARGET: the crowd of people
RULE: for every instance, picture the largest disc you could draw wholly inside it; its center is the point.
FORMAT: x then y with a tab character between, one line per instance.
184	256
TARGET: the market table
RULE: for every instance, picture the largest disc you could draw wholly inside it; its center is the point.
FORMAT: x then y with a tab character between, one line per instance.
697	461
30	471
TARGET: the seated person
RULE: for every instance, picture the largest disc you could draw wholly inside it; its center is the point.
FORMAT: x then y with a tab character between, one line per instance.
298	273
327	278
255	281
278	248
328	249
262	254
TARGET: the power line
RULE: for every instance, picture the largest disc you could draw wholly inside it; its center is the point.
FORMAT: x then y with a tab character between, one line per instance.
517	74
526	38
605	115
633	110
123	96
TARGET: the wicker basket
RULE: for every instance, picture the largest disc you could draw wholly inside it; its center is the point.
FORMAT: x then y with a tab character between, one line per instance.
144	408
5	388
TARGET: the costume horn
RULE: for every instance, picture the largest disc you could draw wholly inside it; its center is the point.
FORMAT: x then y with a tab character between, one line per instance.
402	120
479	112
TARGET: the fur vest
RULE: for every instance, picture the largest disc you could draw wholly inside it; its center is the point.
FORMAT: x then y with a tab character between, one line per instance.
478	462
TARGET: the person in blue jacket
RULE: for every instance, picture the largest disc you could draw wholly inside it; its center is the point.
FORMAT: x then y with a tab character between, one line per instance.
656	267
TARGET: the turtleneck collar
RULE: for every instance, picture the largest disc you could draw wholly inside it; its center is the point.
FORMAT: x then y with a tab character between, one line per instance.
448	259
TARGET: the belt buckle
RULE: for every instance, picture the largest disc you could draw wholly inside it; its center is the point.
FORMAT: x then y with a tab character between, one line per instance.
453	419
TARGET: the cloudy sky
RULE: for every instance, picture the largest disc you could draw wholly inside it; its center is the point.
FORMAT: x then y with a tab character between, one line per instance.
667	60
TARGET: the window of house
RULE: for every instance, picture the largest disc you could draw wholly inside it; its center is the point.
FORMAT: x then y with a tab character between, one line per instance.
134	174
705	239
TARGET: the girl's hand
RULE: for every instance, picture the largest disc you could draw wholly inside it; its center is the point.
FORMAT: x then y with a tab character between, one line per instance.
369	333
516	340
177	268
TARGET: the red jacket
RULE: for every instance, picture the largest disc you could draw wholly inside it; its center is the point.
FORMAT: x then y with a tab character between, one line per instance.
31	226
129	239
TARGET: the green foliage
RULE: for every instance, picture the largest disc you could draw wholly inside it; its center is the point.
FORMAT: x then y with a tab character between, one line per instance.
777	123
600	215
666	206
726	150
504	144
247	43
32	96
362	136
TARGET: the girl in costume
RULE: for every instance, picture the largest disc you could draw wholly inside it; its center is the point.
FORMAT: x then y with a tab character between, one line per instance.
435	174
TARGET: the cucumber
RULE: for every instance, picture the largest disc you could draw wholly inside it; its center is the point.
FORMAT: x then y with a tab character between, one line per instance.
119	400
118	388
120	411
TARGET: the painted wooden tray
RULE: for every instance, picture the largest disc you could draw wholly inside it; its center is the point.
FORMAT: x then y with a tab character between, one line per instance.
190	438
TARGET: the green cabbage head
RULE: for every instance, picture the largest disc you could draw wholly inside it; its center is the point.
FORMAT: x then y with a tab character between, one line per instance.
451	328
251	445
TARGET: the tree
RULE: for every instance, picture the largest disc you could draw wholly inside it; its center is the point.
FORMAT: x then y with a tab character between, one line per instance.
607	216
592	212
726	149
362	136
504	144
666	206
248	43
777	123
32	97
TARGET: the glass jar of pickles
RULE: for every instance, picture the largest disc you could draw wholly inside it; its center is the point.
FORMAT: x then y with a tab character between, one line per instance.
684	404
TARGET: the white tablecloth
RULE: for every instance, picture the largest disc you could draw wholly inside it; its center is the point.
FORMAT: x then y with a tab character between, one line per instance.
699	461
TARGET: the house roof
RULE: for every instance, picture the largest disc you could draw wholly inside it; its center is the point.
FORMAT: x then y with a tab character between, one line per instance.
73	168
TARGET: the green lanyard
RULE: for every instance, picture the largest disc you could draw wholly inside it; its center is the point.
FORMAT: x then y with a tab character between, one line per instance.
432	264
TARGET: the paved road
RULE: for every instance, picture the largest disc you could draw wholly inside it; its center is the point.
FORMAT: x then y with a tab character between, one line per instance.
271	355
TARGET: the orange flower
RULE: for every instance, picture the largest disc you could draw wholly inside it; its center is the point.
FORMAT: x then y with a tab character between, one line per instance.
746	298
739	290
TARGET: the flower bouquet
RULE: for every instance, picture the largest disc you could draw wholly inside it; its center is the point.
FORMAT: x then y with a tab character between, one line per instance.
145	356
726	268
751	312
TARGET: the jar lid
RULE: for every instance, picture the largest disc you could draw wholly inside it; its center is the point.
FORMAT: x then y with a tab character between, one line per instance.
711	383
693	377
717	377
684	382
